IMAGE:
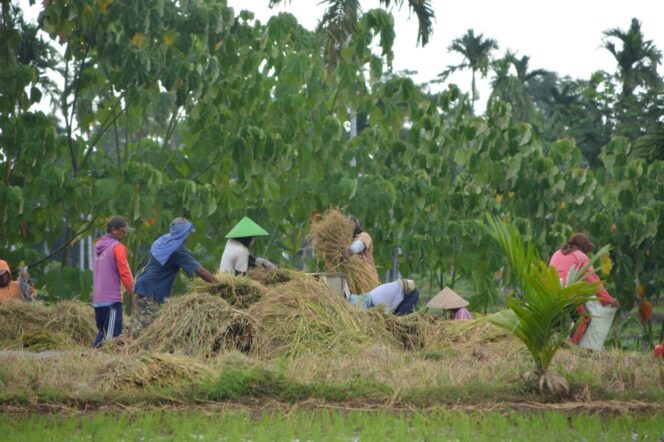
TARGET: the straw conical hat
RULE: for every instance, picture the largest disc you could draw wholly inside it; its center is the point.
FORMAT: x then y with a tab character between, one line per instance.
447	299
246	227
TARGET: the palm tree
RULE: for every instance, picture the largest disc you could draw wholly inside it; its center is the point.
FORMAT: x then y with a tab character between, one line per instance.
538	316
341	17
511	84
476	51
637	60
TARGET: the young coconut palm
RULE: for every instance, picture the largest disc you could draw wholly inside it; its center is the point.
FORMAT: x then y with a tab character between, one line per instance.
539	317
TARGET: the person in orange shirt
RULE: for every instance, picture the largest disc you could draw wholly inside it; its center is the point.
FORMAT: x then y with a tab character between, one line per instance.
21	289
362	244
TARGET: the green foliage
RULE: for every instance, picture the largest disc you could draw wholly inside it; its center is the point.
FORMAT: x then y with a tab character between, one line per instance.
539	316
190	108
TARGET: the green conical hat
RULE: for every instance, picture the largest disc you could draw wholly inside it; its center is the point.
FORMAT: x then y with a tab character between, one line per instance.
246	227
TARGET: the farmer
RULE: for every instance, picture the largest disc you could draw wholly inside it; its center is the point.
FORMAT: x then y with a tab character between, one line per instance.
591	333
452	303
362	244
398	297
110	268
236	258
20	289
154	280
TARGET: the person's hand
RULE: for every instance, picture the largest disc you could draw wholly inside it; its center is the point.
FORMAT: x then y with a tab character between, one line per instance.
614	303
265	263
345	255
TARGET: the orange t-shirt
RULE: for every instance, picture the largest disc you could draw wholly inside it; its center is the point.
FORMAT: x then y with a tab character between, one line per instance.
12	291
367	253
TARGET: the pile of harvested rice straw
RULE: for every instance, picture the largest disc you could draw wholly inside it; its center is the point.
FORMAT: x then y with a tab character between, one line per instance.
158	369
200	325
239	291
277	275
448	333
332	234
411	331
37	327
307	315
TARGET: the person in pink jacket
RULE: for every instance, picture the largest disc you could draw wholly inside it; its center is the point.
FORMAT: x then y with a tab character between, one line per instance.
110	268
574	254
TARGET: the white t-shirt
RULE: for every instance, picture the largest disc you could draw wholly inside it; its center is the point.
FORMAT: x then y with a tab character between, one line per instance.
389	294
235	257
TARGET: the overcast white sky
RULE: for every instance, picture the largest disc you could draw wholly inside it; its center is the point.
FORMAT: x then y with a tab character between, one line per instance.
563	36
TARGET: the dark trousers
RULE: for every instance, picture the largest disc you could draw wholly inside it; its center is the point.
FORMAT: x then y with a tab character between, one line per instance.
407	306
109	323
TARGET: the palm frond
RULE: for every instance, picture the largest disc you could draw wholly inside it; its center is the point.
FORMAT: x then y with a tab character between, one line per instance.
540	315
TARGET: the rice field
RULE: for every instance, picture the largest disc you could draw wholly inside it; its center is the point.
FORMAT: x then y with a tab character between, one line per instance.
333	425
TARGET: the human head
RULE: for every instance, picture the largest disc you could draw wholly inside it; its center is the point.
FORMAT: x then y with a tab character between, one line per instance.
5	274
179	220
578	241
118	227
246	240
408	286
357	225
181	226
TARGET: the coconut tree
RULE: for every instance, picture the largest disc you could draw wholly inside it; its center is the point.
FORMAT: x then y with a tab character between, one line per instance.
341	18
476	51
637	59
538	316
510	83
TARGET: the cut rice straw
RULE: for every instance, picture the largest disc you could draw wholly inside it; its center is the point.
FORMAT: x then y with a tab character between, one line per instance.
306	315
411	331
36	326
198	325
272	276
158	369
332	234
238	291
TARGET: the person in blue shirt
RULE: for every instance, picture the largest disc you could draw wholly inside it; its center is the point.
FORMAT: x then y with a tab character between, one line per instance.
154	280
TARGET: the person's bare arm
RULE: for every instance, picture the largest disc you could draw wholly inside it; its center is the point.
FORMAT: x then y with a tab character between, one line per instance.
206	275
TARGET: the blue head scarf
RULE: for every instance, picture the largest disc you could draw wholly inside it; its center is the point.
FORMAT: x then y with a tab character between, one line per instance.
165	245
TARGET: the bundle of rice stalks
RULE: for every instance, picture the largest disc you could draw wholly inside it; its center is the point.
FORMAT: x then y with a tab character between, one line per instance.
360	274
332	234
39	327
273	276
446	333
307	315
75	318
239	291
198	325
158	369
41	339
411	331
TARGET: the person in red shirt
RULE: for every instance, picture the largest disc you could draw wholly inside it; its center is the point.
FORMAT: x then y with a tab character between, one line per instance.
574	254
110	268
